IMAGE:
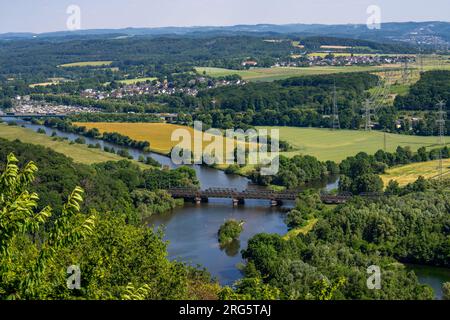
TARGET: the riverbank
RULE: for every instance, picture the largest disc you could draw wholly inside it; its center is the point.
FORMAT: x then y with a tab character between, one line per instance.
78	152
435	277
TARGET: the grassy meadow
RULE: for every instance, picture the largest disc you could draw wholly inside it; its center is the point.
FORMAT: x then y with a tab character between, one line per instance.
79	153
280	73
326	144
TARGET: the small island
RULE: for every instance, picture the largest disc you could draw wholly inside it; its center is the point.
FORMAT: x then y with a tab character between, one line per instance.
230	231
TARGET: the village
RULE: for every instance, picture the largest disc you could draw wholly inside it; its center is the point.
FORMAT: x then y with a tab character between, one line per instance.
155	87
330	59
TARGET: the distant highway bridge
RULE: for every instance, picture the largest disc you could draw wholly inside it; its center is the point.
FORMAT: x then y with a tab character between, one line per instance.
239	197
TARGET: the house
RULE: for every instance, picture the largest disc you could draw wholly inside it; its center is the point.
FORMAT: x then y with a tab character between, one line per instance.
249	63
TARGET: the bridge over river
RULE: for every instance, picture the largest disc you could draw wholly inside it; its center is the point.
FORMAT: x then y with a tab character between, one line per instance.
276	198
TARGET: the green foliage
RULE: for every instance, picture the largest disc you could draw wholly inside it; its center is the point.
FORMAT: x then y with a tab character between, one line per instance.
293	172
250	289
298	102
117	260
330	262
324	289
424	94
230	231
18	219
148	203
446	290
114	117
308	206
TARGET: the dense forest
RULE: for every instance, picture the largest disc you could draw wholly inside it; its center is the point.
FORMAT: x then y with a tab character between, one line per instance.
299	102
38	59
118	259
432	87
347	240
114	186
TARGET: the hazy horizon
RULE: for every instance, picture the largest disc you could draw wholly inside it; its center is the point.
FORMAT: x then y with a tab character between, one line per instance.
43	16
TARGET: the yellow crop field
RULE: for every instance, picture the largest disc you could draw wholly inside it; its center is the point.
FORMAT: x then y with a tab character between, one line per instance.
137	80
86	64
409	173
158	134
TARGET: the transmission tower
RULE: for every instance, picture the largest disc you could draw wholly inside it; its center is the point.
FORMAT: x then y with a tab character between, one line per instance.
405	72
441	132
336	125
368	115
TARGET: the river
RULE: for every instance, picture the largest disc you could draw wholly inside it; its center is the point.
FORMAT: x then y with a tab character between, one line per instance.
192	230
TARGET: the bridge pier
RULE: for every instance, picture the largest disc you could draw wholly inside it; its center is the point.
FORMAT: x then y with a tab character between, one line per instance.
238	201
276	203
205	200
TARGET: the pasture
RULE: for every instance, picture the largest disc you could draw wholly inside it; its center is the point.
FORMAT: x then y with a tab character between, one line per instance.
79	153
326	144
280	73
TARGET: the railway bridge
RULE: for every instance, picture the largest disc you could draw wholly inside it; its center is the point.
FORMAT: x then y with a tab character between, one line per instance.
276	198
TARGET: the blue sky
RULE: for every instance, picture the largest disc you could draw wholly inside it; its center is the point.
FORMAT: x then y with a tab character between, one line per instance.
50	15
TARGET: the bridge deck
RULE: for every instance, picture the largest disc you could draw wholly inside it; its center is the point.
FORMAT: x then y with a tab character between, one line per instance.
225	193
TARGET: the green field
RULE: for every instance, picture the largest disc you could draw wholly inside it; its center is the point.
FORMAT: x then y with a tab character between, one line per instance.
280	73
79	153
86	64
337	145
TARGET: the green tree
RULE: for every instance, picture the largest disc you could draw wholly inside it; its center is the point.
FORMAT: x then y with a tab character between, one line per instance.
367	183
446	290
230	231
18	220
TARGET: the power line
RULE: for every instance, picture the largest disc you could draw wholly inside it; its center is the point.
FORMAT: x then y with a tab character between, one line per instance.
368	115
441	132
336	125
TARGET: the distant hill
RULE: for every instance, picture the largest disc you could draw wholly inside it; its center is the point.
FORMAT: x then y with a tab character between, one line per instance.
427	33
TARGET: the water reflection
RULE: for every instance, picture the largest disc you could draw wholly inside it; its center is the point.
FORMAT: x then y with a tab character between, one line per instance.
231	248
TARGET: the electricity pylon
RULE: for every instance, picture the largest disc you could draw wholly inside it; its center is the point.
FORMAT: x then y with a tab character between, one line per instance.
336	125
441	132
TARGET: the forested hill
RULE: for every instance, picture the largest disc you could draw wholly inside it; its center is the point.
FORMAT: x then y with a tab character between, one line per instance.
401	30
41	57
432	87
293	102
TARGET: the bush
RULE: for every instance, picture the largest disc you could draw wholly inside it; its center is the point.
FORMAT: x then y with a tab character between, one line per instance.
80	140
230	231
152	162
